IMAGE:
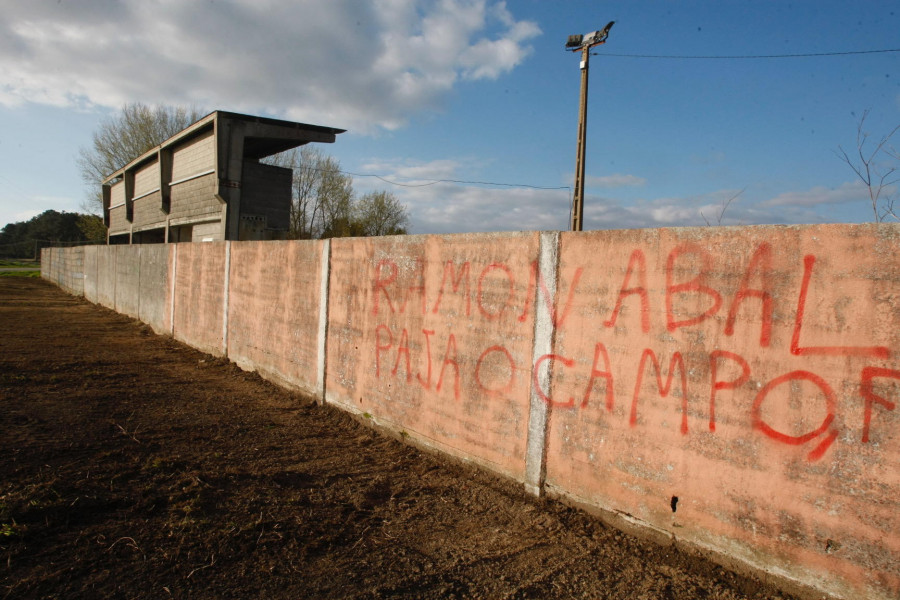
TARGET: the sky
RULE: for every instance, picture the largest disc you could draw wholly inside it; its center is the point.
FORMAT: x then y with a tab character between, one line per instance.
467	110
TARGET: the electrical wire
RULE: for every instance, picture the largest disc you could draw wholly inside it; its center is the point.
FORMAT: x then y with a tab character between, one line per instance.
429	182
746	56
458	181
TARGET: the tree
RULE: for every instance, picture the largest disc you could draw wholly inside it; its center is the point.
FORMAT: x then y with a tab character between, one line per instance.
304	196
877	168
380	213
323	204
121	138
50	228
322	196
334	195
93	228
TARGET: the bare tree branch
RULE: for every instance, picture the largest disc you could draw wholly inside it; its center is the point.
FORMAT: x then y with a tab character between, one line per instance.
725	205
323	203
873	167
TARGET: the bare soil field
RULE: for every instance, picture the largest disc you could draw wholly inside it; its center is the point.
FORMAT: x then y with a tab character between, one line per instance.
135	467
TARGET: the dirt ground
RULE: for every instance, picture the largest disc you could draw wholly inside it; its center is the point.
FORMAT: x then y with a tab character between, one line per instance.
135	467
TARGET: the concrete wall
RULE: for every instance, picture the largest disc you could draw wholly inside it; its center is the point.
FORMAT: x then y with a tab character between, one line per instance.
155	291
65	268
50	259
118	218
146	178
266	192
194	198
199	295
148	212
91	254
207	232
281	280
433	336
745	376
729	390
196	156
106	276
128	280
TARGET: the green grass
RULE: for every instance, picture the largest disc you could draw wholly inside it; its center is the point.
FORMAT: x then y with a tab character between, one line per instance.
19	262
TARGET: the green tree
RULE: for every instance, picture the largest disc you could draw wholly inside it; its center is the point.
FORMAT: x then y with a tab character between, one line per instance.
93	228
335	198
380	213
50	228
121	138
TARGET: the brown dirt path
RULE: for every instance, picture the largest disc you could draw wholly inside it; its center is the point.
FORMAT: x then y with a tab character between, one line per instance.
135	467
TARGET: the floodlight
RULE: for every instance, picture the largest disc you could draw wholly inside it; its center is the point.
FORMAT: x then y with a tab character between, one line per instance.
574	41
577	42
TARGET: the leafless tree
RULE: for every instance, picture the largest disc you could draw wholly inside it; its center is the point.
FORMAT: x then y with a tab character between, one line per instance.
322	195
876	166
121	138
323	204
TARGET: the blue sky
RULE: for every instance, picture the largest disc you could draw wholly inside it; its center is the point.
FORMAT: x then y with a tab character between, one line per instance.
479	90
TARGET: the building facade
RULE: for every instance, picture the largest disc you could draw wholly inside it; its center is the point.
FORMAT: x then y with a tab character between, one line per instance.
206	183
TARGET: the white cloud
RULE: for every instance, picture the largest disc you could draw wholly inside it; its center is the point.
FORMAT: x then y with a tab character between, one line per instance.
444	207
848	192
416	171
447	208
614	181
359	65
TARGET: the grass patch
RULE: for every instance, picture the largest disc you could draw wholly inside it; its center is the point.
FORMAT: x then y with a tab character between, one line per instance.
33	267
18	262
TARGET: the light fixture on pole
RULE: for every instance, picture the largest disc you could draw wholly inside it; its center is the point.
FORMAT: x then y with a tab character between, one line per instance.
584	43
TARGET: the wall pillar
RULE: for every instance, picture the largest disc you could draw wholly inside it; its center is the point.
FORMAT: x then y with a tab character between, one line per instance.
539	412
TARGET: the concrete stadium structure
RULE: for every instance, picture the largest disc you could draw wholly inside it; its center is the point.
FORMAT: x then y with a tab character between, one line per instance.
206	183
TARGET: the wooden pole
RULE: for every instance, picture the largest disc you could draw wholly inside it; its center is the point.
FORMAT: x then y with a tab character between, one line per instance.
578	200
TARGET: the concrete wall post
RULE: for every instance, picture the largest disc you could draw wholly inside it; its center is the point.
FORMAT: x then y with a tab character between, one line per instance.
172	288
322	342
538	417
226	282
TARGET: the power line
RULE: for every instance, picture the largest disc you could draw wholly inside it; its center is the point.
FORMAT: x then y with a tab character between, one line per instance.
429	182
410	185
457	181
746	56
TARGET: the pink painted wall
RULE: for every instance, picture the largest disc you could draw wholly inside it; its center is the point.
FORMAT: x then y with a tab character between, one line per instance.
128	279
752	373
155	300
90	272
772	418
199	295
433	336
274	310
106	277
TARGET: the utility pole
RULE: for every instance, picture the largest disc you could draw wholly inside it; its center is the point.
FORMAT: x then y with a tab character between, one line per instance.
574	44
